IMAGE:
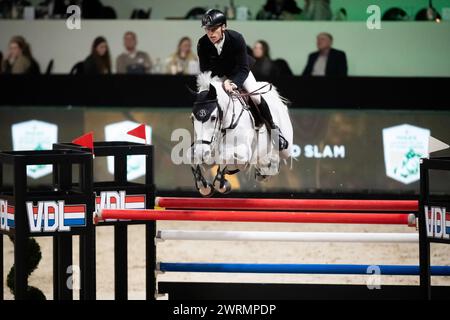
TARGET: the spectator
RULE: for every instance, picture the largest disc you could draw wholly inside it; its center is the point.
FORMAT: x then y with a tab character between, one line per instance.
326	61
341	15
263	67
94	9
395	14
132	61
317	10
428	14
279	10
99	61
184	61
283	68
19	59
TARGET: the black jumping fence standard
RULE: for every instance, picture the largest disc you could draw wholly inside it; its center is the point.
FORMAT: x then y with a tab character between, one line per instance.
65	209
68	206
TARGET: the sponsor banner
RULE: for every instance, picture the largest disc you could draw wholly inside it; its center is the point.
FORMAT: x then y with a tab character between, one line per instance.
6	215
35	135
403	146
45	216
437	222
118	132
118	200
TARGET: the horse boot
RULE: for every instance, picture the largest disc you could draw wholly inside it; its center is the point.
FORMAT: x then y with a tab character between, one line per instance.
267	116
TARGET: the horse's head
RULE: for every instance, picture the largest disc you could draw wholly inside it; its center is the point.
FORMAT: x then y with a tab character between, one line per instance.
206	117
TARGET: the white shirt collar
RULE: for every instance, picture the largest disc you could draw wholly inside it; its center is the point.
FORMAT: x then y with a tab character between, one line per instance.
219	45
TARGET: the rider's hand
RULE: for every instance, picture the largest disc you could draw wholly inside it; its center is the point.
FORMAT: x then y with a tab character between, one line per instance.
229	86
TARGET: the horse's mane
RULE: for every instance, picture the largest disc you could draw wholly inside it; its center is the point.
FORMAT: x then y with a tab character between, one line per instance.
204	80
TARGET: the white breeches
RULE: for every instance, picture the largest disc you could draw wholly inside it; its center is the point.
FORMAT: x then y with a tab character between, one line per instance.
251	85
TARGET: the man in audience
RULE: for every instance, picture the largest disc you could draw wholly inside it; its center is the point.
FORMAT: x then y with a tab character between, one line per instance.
326	61
132	61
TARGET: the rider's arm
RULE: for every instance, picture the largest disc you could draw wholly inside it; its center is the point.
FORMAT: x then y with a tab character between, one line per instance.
203	57
240	73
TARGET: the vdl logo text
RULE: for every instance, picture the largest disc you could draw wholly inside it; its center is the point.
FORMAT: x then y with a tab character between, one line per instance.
119	200
111	200
53	216
4	215
436	222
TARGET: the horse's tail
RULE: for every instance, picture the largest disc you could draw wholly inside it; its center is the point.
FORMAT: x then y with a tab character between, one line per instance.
274	92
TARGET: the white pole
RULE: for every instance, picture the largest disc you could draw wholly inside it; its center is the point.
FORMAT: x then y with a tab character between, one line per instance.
287	236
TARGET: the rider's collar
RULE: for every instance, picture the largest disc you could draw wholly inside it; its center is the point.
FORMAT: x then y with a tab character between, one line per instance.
219	44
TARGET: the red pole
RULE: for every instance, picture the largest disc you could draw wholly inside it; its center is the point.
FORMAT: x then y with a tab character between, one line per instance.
288	204
260	216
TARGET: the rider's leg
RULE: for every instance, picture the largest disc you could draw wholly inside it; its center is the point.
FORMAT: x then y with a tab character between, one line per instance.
251	85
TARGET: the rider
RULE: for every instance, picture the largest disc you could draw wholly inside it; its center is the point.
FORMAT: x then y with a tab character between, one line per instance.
224	53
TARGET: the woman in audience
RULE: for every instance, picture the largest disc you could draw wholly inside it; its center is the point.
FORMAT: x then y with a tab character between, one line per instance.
279	10
263	67
99	61
183	61
19	59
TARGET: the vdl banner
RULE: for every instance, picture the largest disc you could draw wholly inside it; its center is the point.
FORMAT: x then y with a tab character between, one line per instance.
437	222
434	215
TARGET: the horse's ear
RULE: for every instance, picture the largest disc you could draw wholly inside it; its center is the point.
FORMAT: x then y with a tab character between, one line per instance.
212	94
192	92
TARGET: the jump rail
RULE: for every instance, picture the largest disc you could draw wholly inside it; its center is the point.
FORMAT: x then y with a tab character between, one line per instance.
287	204
398	270
288	236
260	216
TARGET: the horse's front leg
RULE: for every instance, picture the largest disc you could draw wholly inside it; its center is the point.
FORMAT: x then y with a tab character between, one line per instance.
268	158
205	188
220	182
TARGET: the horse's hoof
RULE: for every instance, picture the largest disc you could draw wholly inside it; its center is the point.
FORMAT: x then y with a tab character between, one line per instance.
225	187
217	184
261	177
206	191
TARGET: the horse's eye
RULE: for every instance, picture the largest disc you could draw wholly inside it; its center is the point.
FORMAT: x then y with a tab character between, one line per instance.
213	118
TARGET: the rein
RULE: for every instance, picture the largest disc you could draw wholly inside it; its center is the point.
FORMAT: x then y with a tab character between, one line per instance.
254	92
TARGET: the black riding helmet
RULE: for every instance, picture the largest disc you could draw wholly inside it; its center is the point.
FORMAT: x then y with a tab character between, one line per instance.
213	18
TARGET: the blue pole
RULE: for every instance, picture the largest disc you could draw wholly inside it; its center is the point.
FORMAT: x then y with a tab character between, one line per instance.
405	270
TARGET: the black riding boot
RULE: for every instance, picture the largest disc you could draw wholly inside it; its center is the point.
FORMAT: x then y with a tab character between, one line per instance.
267	116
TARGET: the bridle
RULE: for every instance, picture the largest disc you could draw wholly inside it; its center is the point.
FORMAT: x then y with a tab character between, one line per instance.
218	124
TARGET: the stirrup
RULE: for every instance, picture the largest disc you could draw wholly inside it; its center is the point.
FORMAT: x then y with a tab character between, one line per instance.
282	142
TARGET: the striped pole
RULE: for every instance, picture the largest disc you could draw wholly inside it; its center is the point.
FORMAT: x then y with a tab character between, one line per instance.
287	204
259	216
288	236
397	270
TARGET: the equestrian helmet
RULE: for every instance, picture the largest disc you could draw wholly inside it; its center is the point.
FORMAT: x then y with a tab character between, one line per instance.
213	18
